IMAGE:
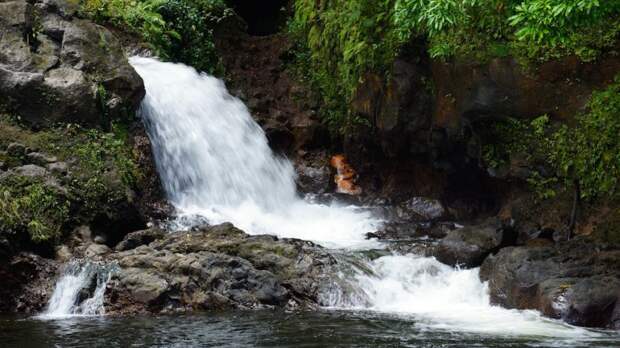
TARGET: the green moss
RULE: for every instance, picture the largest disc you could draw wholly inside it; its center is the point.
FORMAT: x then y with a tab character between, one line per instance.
31	206
102	173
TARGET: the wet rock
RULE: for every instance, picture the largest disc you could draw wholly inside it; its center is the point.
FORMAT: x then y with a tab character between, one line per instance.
577	281
426	208
469	246
138	238
413	230
216	267
27	283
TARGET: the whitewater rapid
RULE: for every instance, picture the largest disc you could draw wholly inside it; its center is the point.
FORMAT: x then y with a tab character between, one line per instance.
215	163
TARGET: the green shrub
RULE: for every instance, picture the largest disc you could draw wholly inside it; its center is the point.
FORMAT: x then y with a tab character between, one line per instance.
340	41
177	30
28	205
587	153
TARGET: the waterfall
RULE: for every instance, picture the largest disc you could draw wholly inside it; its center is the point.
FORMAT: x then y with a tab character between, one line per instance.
215	163
80	290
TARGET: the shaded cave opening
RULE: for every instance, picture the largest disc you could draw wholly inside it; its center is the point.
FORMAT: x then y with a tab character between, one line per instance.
265	17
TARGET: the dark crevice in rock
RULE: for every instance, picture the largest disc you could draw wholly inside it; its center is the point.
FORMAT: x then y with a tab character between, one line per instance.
264	17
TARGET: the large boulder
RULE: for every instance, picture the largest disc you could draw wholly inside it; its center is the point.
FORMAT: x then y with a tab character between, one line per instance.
55	67
577	281
216	267
469	246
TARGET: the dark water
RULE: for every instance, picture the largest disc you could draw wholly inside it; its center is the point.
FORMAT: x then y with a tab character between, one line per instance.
259	329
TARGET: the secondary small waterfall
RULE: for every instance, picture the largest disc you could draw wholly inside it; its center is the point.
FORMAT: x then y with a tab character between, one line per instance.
79	290
215	162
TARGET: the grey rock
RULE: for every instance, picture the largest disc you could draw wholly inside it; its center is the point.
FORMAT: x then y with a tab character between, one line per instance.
138	238
469	246
53	26
74	58
216	267
16	149
58	168
15	13
46	56
577	281
63	254
99	239
429	209
14	51
94	250
40	158
77	94
31	171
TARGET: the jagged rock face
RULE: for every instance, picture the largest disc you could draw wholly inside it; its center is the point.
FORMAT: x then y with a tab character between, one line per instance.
215	268
55	67
27	282
468	91
577	281
286	110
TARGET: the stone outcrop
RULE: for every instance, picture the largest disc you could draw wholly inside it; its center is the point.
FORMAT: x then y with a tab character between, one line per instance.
216	268
470	245
27	282
576	281
55	67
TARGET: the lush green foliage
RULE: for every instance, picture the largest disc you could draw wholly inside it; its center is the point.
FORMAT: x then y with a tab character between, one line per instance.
178	30
28	205
102	172
340	41
587	153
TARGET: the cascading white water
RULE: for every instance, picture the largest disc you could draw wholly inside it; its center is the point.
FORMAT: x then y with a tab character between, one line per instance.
215	162
77	277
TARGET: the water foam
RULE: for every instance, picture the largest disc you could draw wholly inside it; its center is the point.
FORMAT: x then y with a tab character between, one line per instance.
76	278
215	162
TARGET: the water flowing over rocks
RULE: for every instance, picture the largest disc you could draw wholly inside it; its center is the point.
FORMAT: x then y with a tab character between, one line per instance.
217	267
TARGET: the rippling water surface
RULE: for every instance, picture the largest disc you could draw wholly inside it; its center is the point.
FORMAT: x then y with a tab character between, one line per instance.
262	329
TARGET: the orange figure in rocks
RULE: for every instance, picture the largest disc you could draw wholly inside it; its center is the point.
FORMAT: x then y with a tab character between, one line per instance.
345	176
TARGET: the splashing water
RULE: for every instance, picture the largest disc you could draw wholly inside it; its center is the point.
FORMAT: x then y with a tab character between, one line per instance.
215	162
76	278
